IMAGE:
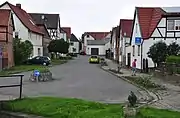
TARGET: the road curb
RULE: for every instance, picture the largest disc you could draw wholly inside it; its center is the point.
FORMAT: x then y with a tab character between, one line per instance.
154	95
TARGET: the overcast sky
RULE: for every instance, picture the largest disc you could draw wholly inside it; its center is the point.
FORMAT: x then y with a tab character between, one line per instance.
89	15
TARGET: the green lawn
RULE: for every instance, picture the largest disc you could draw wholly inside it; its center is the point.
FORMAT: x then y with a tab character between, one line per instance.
21	68
52	107
157	113
65	108
24	68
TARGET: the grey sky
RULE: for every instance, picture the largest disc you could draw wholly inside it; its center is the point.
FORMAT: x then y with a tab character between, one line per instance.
89	15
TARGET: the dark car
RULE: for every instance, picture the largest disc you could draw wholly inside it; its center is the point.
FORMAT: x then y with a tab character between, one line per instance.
82	53
39	60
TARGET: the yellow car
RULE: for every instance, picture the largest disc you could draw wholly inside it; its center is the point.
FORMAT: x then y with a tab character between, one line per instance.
94	59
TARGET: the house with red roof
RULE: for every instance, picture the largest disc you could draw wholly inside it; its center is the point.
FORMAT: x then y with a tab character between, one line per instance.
6	39
25	27
95	43
115	43
150	25
124	41
66	33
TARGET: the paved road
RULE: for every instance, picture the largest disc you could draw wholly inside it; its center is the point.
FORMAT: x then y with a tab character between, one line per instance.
77	78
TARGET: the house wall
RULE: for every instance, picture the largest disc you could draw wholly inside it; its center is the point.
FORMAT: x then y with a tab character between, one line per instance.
46	42
74	45
113	45
107	45
155	37
100	47
123	49
64	36
6	43
85	42
136	33
24	33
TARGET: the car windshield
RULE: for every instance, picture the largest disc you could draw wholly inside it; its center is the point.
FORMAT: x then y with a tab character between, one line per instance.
93	56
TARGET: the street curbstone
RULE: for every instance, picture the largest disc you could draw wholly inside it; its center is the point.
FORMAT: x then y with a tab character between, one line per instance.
154	95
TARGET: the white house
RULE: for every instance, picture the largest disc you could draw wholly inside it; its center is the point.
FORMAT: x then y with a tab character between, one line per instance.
150	26
74	44
25	28
92	44
97	47
124	41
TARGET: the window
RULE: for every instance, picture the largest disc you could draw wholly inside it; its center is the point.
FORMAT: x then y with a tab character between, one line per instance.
173	24
72	44
17	35
39	51
138	50
87	36
133	50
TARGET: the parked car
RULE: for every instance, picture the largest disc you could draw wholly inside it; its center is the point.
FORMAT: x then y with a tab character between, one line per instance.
94	59
82	53
39	60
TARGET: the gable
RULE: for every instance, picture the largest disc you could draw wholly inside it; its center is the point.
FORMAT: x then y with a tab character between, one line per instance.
22	15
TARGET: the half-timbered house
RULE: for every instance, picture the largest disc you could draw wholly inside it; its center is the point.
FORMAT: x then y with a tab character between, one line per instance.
151	25
52	22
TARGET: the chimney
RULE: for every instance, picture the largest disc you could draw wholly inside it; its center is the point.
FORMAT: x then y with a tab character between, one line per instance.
18	5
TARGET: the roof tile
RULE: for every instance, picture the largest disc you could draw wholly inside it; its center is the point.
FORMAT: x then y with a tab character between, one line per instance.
25	18
148	19
98	35
126	26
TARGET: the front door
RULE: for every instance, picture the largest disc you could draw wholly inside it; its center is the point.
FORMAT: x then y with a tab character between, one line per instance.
94	51
129	59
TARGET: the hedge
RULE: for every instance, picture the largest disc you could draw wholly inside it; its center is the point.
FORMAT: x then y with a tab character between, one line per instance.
173	59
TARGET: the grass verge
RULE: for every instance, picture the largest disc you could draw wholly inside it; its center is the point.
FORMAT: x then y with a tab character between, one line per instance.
64	108
21	68
75	108
24	68
157	113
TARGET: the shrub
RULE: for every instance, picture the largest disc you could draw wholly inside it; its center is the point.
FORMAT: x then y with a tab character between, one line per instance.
173	59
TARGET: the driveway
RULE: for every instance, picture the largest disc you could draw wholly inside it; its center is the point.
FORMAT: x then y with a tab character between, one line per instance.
78	79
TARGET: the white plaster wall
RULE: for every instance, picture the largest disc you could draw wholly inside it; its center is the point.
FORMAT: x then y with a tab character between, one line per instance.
24	34
87	38
128	50
64	36
107	45
76	46
101	49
